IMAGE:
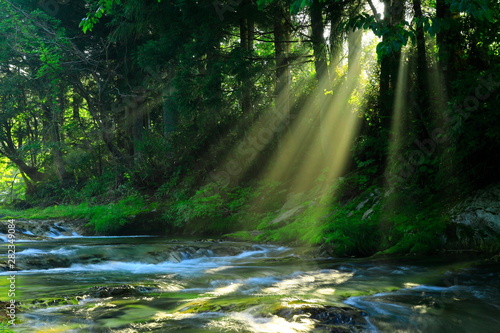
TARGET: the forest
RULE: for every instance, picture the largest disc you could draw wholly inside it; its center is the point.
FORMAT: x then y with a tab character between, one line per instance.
347	124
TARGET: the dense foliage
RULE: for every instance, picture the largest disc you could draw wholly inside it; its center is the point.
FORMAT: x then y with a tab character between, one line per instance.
143	106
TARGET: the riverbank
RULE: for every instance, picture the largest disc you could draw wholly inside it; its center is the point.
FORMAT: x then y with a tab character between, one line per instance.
370	222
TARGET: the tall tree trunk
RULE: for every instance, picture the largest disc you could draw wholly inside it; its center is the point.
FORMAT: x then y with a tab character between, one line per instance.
105	125
52	136
246	40
447	40
213	92
138	124
318	40
394	11
8	149
29	171
168	105
422	93
282	49
97	107
336	11
77	103
134	123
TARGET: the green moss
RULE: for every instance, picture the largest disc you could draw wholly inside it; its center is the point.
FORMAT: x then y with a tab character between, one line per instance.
344	294
303	228
227	304
48	302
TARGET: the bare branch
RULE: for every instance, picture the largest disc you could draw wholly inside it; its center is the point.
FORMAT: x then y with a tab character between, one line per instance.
375	13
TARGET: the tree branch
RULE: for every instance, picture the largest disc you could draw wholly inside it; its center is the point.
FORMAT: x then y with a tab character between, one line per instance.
375	13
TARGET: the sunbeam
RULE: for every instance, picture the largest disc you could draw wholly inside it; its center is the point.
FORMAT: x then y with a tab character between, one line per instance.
397	133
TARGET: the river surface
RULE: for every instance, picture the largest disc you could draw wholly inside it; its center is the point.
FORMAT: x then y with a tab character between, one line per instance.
70	283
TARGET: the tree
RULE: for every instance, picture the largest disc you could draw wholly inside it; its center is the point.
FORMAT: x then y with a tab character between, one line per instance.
318	40
394	12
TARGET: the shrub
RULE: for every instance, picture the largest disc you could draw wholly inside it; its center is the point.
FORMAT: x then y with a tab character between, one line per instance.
348	234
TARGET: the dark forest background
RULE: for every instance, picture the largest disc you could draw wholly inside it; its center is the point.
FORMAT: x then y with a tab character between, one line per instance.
160	110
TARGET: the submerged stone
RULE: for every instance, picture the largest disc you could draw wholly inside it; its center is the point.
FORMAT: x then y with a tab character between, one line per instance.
328	318
118	291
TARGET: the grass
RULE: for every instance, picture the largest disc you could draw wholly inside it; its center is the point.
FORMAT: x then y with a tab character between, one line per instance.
102	218
306	228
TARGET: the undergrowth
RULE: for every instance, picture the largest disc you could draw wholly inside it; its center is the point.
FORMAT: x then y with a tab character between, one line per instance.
343	222
103	219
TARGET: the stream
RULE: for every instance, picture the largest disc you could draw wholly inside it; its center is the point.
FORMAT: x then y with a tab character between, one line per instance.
66	282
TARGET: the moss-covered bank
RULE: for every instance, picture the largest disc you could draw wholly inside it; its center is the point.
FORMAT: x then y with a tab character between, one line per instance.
339	220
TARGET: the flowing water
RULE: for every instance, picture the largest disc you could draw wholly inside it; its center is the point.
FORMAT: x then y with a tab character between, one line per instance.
70	283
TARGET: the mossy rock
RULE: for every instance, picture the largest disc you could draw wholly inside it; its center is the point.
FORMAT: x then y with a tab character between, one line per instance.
118	291
221	305
46	302
327	318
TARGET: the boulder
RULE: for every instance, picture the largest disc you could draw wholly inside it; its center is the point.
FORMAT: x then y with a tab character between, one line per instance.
45	261
475	222
328	318
118	291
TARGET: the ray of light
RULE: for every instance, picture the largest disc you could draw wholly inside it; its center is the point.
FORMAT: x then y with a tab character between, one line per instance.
393	169
245	153
320	139
439	140
314	150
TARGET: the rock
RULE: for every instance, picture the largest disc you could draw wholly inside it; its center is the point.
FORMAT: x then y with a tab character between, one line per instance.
91	258
328	318
372	199
118	291
47	302
367	213
175	257
206	250
228	251
362	203
200	253
188	251
288	214
476	220
45	261
43	229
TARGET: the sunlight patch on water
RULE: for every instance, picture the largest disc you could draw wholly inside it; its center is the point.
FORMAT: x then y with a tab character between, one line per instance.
308	283
226	290
163	321
246	322
101	305
326	291
411	285
217	269
170	286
